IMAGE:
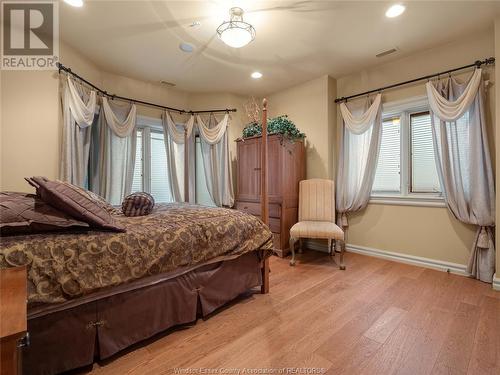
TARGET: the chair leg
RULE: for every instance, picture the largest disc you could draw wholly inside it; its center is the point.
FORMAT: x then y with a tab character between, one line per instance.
331	251
300	246
342	251
292	248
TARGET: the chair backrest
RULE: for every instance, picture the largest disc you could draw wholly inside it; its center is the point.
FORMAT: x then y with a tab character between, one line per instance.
317	200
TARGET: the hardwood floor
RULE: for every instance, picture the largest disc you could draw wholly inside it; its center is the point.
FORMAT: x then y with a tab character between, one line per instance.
377	317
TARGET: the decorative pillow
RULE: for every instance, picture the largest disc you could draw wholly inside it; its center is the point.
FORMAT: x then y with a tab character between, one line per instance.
138	204
71	200
96	198
22	213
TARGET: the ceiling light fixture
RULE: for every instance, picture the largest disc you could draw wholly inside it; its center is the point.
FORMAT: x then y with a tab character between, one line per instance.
256	75
236	33
395	10
74	3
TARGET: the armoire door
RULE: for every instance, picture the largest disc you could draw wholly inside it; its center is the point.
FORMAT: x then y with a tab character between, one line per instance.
275	168
249	169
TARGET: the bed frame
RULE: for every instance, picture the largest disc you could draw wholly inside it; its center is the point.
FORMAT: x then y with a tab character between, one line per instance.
264	201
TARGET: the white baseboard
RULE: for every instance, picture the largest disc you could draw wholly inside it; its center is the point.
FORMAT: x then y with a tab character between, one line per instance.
458	269
455	268
496	282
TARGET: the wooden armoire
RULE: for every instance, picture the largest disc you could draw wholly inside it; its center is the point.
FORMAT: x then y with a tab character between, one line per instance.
286	167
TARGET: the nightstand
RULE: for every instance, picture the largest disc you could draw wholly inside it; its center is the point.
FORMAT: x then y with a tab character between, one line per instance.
13	304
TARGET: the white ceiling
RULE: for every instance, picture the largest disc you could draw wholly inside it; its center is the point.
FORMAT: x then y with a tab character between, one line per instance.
296	40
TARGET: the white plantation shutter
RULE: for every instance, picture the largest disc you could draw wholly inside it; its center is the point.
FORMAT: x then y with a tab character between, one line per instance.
387	177
424	177
160	186
139	165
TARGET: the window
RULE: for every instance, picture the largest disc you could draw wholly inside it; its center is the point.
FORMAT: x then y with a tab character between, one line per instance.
160	185
137	184
424	177
406	168
387	177
150	171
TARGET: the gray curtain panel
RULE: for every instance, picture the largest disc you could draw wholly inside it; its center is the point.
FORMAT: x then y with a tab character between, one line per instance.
174	147
78	107
216	162
464	165
358	157
113	158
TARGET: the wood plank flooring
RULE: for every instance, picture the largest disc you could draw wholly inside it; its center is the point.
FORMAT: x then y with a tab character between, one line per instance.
377	317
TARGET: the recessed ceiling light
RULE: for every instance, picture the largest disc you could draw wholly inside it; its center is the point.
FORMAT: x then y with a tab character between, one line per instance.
186	47
256	75
74	3
395	10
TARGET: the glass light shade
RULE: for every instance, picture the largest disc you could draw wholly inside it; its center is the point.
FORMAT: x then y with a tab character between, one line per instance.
236	33
236	37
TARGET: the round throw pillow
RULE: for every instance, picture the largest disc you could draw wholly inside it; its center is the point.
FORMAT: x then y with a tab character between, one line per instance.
138	204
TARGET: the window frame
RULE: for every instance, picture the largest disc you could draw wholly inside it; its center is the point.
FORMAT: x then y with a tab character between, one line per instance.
404	109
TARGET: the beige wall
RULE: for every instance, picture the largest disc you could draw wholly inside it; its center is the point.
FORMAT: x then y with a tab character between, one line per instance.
30	127
419	231
309	106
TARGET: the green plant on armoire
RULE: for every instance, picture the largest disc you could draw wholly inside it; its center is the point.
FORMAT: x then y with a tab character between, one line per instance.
276	125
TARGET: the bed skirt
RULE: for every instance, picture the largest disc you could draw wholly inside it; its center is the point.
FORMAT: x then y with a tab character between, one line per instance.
79	335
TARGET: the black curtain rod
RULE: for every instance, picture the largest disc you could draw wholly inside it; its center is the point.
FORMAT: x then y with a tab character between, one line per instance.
61	67
476	64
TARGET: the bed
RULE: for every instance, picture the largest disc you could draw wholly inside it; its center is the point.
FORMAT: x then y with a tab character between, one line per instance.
92	294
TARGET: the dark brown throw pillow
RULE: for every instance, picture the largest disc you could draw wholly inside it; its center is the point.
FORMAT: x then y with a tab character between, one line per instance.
22	213
138	204
70	199
97	199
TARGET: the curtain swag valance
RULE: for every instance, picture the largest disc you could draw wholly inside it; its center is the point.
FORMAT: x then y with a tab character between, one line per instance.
82	113
170	127
358	124
121	128
448	110
214	134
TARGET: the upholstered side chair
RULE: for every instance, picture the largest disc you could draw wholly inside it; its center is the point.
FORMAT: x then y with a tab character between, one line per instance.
317	217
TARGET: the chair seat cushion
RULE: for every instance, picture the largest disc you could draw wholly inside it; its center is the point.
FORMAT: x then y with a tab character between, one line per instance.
316	229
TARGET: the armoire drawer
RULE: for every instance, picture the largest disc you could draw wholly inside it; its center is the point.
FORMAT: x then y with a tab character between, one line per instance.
255	207
274	225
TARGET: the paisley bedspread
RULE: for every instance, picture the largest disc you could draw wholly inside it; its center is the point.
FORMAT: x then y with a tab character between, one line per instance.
64	266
